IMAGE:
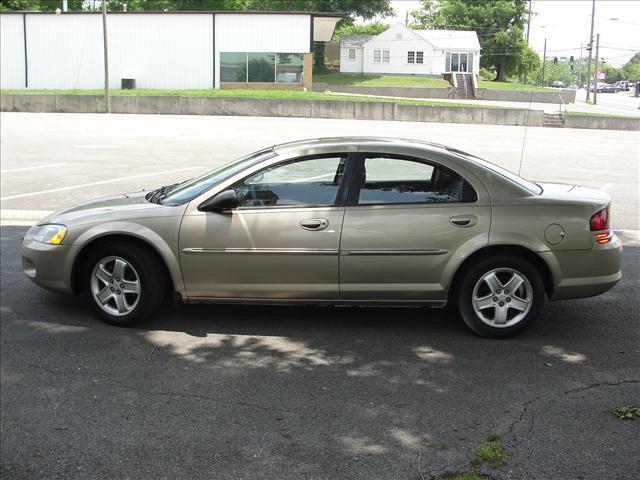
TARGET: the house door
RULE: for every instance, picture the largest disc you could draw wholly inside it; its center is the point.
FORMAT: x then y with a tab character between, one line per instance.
460	62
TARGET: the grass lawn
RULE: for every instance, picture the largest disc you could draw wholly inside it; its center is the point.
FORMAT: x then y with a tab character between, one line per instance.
379	80
269	94
592	114
489	85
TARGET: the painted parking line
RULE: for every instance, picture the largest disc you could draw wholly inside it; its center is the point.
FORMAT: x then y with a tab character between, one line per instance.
28	169
92	184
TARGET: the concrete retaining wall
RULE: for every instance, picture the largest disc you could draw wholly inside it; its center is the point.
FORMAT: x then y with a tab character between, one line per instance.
269	108
602	123
406	92
551	96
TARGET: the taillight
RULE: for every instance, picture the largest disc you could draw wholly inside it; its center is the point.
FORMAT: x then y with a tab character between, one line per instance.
600	220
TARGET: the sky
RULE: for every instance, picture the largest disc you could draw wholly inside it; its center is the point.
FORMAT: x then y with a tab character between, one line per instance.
566	23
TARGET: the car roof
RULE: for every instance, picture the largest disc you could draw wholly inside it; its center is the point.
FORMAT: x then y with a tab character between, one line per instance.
357	141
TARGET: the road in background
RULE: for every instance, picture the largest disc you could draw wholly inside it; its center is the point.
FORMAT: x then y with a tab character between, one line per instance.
51	160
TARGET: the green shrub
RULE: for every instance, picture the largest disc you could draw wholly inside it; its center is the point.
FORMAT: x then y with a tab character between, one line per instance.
487	74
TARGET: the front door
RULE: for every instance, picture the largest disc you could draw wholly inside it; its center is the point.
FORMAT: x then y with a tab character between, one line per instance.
402	227
281	243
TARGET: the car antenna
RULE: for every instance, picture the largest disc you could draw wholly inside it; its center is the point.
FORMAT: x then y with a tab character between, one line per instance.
524	137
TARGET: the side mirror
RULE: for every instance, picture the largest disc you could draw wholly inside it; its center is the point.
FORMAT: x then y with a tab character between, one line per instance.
221	202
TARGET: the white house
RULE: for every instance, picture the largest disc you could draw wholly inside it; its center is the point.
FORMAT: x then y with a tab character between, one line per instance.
401	50
161	50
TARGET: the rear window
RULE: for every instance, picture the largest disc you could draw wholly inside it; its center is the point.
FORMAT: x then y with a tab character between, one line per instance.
526	184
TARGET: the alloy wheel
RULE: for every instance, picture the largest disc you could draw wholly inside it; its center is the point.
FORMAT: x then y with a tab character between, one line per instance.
502	297
115	286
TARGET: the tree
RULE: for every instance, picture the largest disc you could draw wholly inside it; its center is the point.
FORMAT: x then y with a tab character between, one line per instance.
631	69
499	24
529	62
39	5
374	28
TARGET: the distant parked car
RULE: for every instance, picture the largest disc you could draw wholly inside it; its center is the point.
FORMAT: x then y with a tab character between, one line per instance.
558	84
608	88
374	221
605	88
623	85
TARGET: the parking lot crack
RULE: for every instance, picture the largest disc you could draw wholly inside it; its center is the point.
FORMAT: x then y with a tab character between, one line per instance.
525	406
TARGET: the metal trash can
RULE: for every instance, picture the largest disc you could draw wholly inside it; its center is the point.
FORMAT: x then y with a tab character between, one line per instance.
128	83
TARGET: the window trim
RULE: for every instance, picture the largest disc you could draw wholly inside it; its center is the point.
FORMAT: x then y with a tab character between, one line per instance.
357	181
341	194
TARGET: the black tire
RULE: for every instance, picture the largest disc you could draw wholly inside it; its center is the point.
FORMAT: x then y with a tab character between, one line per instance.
470	279
150	276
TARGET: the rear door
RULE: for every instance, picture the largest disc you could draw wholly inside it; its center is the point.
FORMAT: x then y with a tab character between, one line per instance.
407	221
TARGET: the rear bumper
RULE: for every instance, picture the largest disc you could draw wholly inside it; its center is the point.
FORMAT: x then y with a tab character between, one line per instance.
586	273
45	264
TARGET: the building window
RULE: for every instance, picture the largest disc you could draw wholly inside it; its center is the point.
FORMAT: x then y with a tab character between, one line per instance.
398	36
261	67
385	56
352	54
376	56
233	67
419	57
411	57
289	67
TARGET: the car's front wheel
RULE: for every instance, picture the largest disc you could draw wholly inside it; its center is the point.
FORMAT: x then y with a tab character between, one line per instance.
124	283
500	296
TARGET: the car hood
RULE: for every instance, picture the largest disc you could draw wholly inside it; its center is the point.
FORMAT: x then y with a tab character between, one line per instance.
113	207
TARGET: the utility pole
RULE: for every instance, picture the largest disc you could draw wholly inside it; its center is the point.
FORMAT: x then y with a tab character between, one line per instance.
106	56
593	16
580	68
595	73
527	37
529	21
544	60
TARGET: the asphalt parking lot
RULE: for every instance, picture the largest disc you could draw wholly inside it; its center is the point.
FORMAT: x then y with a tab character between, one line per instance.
317	393
302	393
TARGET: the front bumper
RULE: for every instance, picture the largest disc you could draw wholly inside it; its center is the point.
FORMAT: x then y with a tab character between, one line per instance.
45	264
587	273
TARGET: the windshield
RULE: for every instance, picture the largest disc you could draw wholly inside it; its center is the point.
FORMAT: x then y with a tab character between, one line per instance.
532	187
192	188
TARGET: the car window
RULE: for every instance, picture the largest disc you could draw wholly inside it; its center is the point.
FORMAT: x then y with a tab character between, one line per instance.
526	184
310	181
192	188
389	180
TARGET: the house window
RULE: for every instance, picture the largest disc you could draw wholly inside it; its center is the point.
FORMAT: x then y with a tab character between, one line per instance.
376	56
411	57
385	56
352	54
398	36
419	57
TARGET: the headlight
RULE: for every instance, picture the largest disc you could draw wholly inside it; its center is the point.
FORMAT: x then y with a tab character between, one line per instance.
51	234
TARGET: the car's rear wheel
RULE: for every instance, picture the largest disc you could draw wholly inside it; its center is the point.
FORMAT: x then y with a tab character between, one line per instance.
124	283
500	296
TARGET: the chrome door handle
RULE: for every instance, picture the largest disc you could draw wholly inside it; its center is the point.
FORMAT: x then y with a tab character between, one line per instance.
314	224
463	220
